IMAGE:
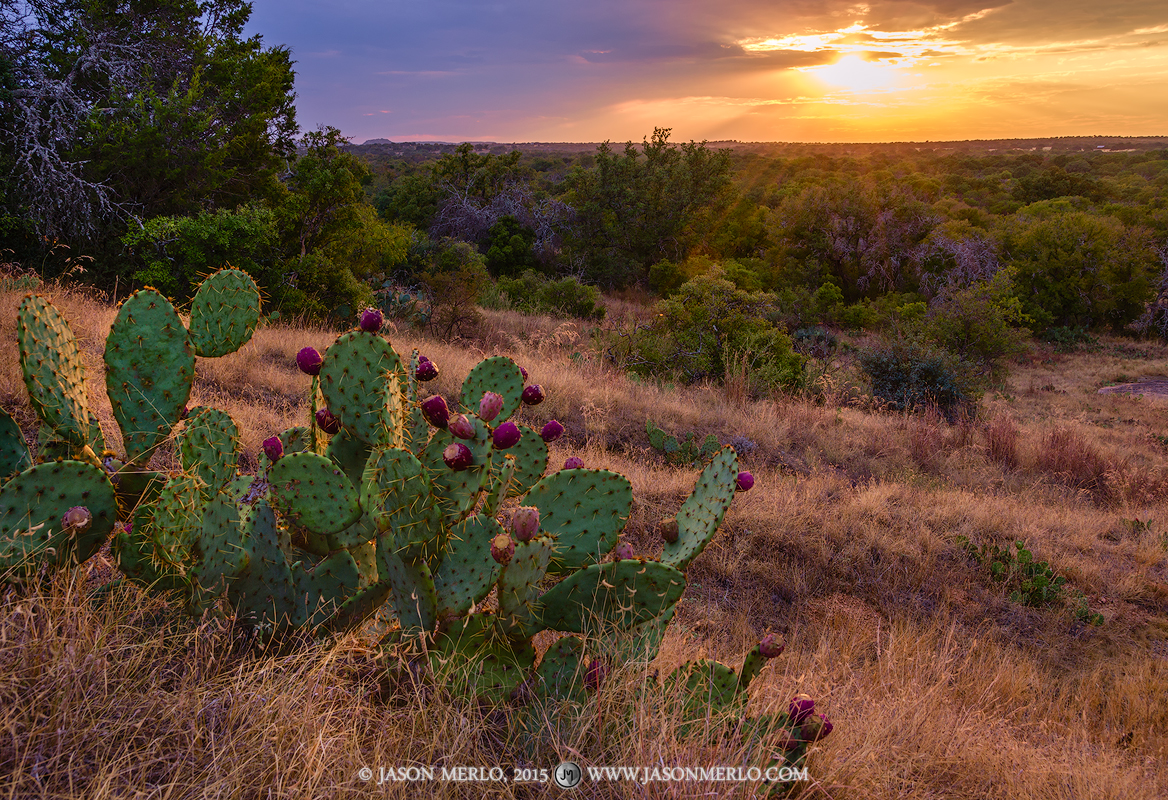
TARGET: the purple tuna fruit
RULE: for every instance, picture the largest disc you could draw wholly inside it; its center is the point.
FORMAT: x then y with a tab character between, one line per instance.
502	549
457	456
309	361
815	728
77	520
770	646
525	523
533	395
594	675
328	421
670	530
552	431
523	372
273	448
745	481
575	462
426	370
371	320
624	552
802	707
490	406
435	412
461	426
506	435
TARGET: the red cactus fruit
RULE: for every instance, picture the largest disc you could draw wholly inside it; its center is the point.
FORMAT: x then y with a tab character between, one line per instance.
575	462
533	395
502	549
309	361
273	448
457	456
770	646
523	372
525	523
815	728
624	552
328	422
802	707
435	412
461	426
745	481
506	435
490	406
551	431
371	320
426	370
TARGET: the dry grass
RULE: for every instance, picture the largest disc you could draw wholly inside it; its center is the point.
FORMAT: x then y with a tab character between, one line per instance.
937	684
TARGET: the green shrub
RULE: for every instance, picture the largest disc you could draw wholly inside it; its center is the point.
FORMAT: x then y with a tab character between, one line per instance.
533	293
908	376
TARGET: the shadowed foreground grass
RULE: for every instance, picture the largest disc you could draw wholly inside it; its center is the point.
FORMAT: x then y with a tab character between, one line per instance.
937	684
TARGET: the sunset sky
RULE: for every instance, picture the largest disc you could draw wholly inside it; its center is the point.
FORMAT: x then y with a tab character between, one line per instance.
805	70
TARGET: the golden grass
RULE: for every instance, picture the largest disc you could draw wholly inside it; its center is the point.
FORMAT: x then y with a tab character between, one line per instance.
937	684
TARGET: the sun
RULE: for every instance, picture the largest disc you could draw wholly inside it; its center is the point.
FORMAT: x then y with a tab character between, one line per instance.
855	74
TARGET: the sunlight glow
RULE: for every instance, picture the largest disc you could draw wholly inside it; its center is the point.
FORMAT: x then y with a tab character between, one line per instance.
855	74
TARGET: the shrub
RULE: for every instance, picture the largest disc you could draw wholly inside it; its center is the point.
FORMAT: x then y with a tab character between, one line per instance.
909	376
533	293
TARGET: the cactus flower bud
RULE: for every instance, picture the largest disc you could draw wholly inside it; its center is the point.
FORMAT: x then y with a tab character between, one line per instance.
815	728
371	320
624	552
552	431
457	456
309	361
669	529
435	412
594	675
745	481
328	422
490	406
525	523
426	370
533	394
273	448
506	435
461	426
502	549
802	707
77	520
770	646
575	462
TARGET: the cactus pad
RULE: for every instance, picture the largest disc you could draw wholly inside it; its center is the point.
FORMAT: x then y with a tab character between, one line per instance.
14	455
224	313
467	571
519	586
613	596
560	673
54	371
531	459
458	492
209	447
702	511
31	506
314	494
150	366
354	378
585	510
498	374
477	657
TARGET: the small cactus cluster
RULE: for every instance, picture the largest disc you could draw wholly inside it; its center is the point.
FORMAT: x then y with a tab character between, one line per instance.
684	452
385	498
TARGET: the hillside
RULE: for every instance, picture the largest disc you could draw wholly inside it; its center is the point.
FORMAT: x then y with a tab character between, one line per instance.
939	685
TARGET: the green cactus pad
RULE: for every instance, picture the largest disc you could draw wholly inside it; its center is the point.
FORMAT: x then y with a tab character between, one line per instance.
263	594
751	666
518	587
710	688
467	571
218	555
640	643
208	446
224	313
560	673
31	506
137	557
397	494
478	658
417	430
295	440
14	454
314	494
500	483
412	585
702	511
531	459
612	596
358	608
359	373
150	366
54	371
350	454
458	492
499	375
585	510
178	517
326	587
